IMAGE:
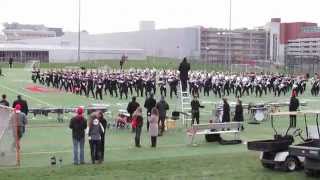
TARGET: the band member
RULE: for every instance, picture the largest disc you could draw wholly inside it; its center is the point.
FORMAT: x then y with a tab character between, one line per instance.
123	87
173	83
90	86
195	105
99	88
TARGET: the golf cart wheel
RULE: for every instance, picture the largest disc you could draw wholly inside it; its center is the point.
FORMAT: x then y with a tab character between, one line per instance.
311	172
291	164
268	166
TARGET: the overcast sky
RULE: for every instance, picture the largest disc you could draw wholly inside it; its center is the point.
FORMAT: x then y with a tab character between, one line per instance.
99	16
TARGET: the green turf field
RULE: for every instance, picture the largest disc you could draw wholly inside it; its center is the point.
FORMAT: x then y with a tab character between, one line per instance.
172	159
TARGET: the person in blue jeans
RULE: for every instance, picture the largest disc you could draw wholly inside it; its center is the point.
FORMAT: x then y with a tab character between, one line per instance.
78	124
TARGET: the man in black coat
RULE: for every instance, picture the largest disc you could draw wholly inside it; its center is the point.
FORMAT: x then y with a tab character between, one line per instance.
184	69
4	101
238	116
23	104
293	106
132	106
103	122
149	104
195	105
10	62
226	111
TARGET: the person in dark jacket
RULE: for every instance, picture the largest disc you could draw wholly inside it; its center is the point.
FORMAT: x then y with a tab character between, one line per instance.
4	101
238	116
195	112
226	111
149	104
139	123
10	62
103	122
78	124
132	106
23	104
293	106
162	107
184	69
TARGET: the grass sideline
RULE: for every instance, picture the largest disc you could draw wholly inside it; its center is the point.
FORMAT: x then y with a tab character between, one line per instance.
173	159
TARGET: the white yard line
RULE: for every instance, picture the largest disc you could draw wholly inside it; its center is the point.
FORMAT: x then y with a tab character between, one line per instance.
25	95
70	151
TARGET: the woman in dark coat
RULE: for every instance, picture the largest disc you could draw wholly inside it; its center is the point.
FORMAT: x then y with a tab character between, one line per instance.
238	117
226	111
103	122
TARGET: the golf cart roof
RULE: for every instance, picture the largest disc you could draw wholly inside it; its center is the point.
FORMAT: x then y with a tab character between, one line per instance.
295	113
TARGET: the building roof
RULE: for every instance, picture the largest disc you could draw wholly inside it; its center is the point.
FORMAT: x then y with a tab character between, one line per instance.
29	47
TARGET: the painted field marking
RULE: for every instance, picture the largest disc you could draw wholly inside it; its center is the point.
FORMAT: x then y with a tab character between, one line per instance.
25	95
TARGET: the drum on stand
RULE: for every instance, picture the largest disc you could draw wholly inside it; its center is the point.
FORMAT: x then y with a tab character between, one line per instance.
257	115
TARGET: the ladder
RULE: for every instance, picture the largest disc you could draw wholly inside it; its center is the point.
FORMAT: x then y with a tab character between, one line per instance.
185	105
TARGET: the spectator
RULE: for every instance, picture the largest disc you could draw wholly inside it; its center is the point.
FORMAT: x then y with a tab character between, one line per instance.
149	104
22	121
78	124
226	111
10	62
195	112
162	107
131	108
23	104
95	131
184	69
293	106
103	121
137	116
238	116
4	101
154	126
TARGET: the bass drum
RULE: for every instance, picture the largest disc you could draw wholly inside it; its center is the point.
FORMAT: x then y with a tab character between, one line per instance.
259	115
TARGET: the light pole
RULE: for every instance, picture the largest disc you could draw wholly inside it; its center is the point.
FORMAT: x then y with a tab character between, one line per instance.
79	29
229	43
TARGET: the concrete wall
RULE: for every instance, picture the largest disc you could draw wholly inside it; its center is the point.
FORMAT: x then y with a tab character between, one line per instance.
172	43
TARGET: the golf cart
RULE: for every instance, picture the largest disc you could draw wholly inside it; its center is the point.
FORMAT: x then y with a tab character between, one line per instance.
310	150
275	152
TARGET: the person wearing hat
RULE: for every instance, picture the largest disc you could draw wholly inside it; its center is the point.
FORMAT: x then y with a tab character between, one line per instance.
293	106
195	112
162	107
78	124
149	104
22	121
